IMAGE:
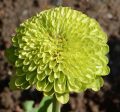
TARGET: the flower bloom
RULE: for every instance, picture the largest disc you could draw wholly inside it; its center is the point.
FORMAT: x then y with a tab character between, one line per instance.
58	51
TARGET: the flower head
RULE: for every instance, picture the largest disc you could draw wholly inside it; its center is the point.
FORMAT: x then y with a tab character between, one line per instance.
58	51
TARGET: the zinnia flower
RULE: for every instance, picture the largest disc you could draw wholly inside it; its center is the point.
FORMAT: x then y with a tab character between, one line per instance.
59	51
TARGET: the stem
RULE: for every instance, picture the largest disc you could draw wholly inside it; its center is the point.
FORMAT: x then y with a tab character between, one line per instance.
56	105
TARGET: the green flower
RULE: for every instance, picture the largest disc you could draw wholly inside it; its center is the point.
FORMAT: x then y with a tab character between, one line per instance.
58	51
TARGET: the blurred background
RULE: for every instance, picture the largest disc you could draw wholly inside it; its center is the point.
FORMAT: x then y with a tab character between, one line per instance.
107	12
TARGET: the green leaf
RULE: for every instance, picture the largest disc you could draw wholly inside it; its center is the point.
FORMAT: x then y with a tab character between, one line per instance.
46	104
50	108
9	53
28	106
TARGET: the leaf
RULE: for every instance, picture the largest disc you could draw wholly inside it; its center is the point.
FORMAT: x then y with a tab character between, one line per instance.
46	104
28	106
50	108
9	53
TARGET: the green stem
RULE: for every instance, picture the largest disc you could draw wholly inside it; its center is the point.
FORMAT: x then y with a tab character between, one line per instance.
56	105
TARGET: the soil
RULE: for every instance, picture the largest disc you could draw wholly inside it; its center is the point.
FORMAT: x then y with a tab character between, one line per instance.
107	12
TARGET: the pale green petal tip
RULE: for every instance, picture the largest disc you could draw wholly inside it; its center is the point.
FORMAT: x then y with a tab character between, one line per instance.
62	98
97	84
58	51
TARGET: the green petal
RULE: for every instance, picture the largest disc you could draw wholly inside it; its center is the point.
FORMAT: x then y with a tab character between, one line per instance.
39	71
56	74
52	64
19	72
106	71
48	87
50	93
62	98
19	63
30	75
41	76
12	83
46	58
51	77
41	85
20	80
72	88
62	77
26	61
25	68
60	67
60	87
48	71
43	67
32	67
25	85
33	80
98	82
